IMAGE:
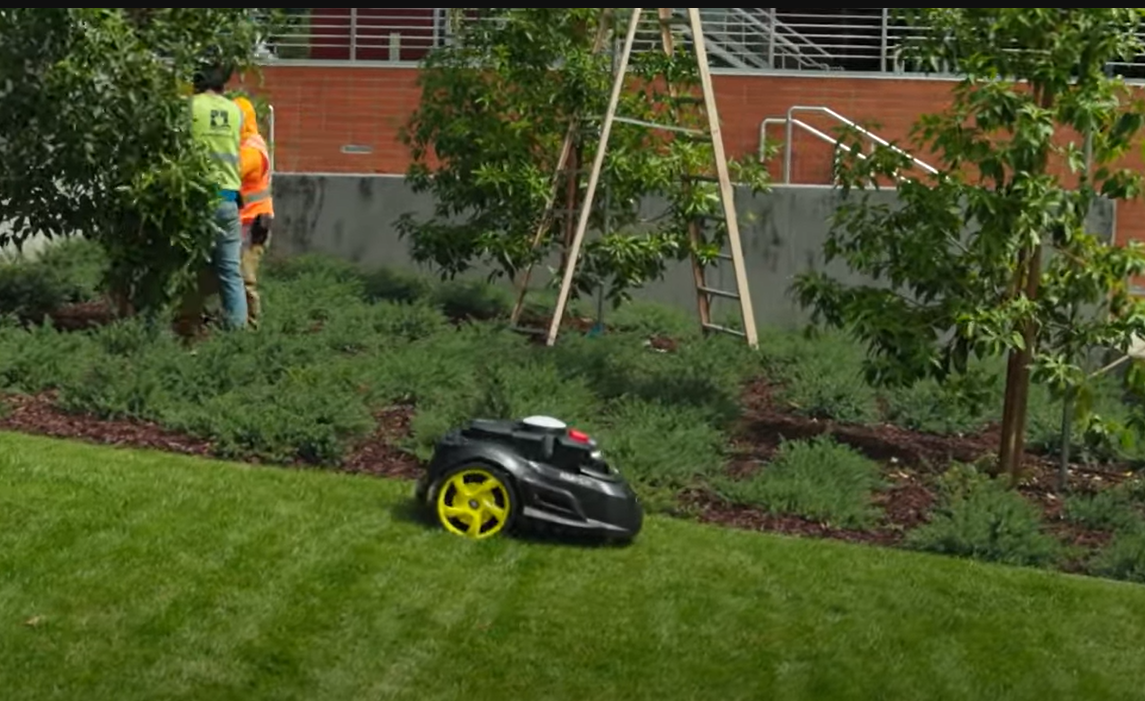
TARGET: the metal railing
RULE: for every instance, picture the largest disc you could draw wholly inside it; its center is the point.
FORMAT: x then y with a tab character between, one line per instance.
790	123
862	39
388	34
745	38
756	38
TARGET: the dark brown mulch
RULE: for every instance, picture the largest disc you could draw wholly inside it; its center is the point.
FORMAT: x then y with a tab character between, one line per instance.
663	343
911	459
377	455
574	324
767	422
710	508
38	415
82	316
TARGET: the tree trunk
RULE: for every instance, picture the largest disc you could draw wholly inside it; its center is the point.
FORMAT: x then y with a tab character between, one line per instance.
1006	450
1015	408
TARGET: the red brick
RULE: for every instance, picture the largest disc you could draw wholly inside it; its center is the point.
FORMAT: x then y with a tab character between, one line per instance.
319	110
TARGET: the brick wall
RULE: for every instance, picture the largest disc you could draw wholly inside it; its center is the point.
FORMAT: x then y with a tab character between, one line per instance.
345	119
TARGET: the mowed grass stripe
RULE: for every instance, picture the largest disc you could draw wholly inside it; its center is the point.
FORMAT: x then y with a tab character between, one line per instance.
137	575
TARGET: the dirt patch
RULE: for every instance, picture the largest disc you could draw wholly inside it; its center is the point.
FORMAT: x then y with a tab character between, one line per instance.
82	316
663	344
378	454
38	415
906	505
540	325
766	423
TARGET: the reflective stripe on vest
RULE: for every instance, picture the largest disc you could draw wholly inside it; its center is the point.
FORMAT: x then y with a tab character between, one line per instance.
217	123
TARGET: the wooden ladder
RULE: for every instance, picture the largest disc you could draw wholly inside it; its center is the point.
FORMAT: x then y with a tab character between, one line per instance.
734	253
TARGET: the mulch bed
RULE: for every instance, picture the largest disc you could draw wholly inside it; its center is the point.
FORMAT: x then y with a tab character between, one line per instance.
378	454
82	316
912	460
39	415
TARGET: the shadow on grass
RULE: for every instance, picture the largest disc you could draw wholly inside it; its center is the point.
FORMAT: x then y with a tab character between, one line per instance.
411	512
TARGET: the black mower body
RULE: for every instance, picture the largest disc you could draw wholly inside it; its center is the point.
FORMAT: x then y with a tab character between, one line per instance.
560	477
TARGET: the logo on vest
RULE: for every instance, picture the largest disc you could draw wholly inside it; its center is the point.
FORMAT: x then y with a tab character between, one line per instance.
220	119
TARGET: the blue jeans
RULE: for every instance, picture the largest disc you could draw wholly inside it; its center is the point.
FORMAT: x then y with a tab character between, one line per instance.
224	275
226	259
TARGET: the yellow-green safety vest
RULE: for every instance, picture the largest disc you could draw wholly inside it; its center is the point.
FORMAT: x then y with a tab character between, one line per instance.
217	122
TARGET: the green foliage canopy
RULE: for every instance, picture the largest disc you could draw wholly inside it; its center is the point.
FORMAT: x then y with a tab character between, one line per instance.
486	138
994	255
103	145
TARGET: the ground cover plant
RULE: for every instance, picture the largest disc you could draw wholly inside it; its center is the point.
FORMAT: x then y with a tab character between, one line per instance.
362	370
135	575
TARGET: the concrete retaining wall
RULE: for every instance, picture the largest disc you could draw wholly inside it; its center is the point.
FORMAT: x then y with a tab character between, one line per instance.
783	232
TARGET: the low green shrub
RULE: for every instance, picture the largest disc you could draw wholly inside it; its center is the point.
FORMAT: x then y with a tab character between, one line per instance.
821	375
40	358
964	404
63	273
337	344
1123	558
1112	509
390	285
978	517
472	299
817	479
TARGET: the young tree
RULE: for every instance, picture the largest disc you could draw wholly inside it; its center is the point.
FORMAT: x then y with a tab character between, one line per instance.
992	255
485	140
104	147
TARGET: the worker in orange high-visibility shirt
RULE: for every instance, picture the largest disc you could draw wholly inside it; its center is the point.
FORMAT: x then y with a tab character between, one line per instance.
257	212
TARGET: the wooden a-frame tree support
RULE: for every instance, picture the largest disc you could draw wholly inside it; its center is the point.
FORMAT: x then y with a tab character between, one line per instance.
704	293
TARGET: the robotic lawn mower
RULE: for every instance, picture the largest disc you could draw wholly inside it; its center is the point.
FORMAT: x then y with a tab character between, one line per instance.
492	477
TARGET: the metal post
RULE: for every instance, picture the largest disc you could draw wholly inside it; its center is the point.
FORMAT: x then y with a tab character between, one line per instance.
789	133
353	33
884	40
771	37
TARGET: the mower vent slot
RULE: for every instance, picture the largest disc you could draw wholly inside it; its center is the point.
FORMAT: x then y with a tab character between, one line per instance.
556	502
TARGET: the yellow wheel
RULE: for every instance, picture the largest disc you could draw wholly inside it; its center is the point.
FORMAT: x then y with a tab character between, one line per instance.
475	502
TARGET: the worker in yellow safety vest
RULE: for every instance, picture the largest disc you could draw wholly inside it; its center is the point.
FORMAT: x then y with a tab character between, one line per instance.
216	122
257	212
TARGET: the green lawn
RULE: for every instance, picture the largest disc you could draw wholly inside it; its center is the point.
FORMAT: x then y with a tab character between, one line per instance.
132	575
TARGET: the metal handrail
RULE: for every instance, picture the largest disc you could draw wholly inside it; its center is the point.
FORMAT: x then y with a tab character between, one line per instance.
790	130
809	129
790	122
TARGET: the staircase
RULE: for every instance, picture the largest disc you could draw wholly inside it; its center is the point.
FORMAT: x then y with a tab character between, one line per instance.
752	38
747	39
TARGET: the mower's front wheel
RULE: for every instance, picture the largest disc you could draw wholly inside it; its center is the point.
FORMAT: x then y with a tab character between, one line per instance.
475	501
